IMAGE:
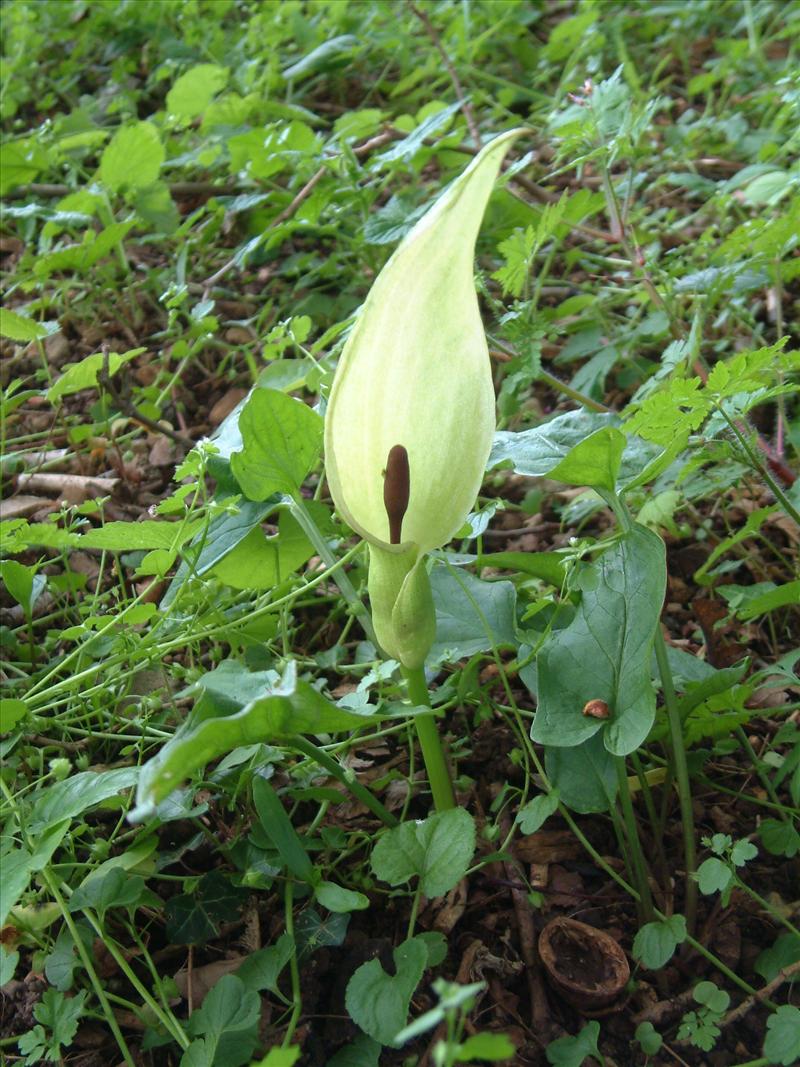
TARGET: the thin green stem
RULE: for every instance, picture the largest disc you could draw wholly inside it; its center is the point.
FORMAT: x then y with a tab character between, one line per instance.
770	909
638	864
652	815
108	1011
681	778
294	970
309	528
429	741
168	1021
759	467
764	778
360	792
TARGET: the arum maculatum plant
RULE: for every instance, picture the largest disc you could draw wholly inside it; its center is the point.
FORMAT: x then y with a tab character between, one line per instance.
410	423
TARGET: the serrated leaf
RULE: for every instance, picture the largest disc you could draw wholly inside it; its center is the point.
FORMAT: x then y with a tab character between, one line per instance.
782	1043
83	375
282	439
132	158
193	91
437	850
140	536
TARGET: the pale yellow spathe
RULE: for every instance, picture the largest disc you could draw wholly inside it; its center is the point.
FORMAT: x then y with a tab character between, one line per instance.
415	371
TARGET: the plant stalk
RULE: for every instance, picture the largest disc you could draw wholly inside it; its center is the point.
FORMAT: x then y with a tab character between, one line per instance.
429	741
638	864
681	778
309	528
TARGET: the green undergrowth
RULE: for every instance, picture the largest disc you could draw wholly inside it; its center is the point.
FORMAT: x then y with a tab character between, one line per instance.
219	844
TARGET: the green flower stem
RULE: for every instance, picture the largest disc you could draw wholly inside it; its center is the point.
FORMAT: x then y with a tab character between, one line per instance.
638	864
681	779
309	528
294	970
429	740
337	771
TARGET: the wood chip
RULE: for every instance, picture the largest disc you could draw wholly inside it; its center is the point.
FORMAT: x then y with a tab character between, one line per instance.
18	507
72	487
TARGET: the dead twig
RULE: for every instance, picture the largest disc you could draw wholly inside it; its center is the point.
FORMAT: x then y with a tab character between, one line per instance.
783	975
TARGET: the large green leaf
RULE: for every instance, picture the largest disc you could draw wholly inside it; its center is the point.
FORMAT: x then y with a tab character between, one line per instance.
604	654
282	438
537	451
579	448
239	708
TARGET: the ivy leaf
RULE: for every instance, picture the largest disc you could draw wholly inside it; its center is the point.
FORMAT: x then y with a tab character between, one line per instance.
312	932
378	1002
572	1051
192	918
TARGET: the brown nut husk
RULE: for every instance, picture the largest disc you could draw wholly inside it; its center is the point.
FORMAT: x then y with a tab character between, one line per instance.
585	965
